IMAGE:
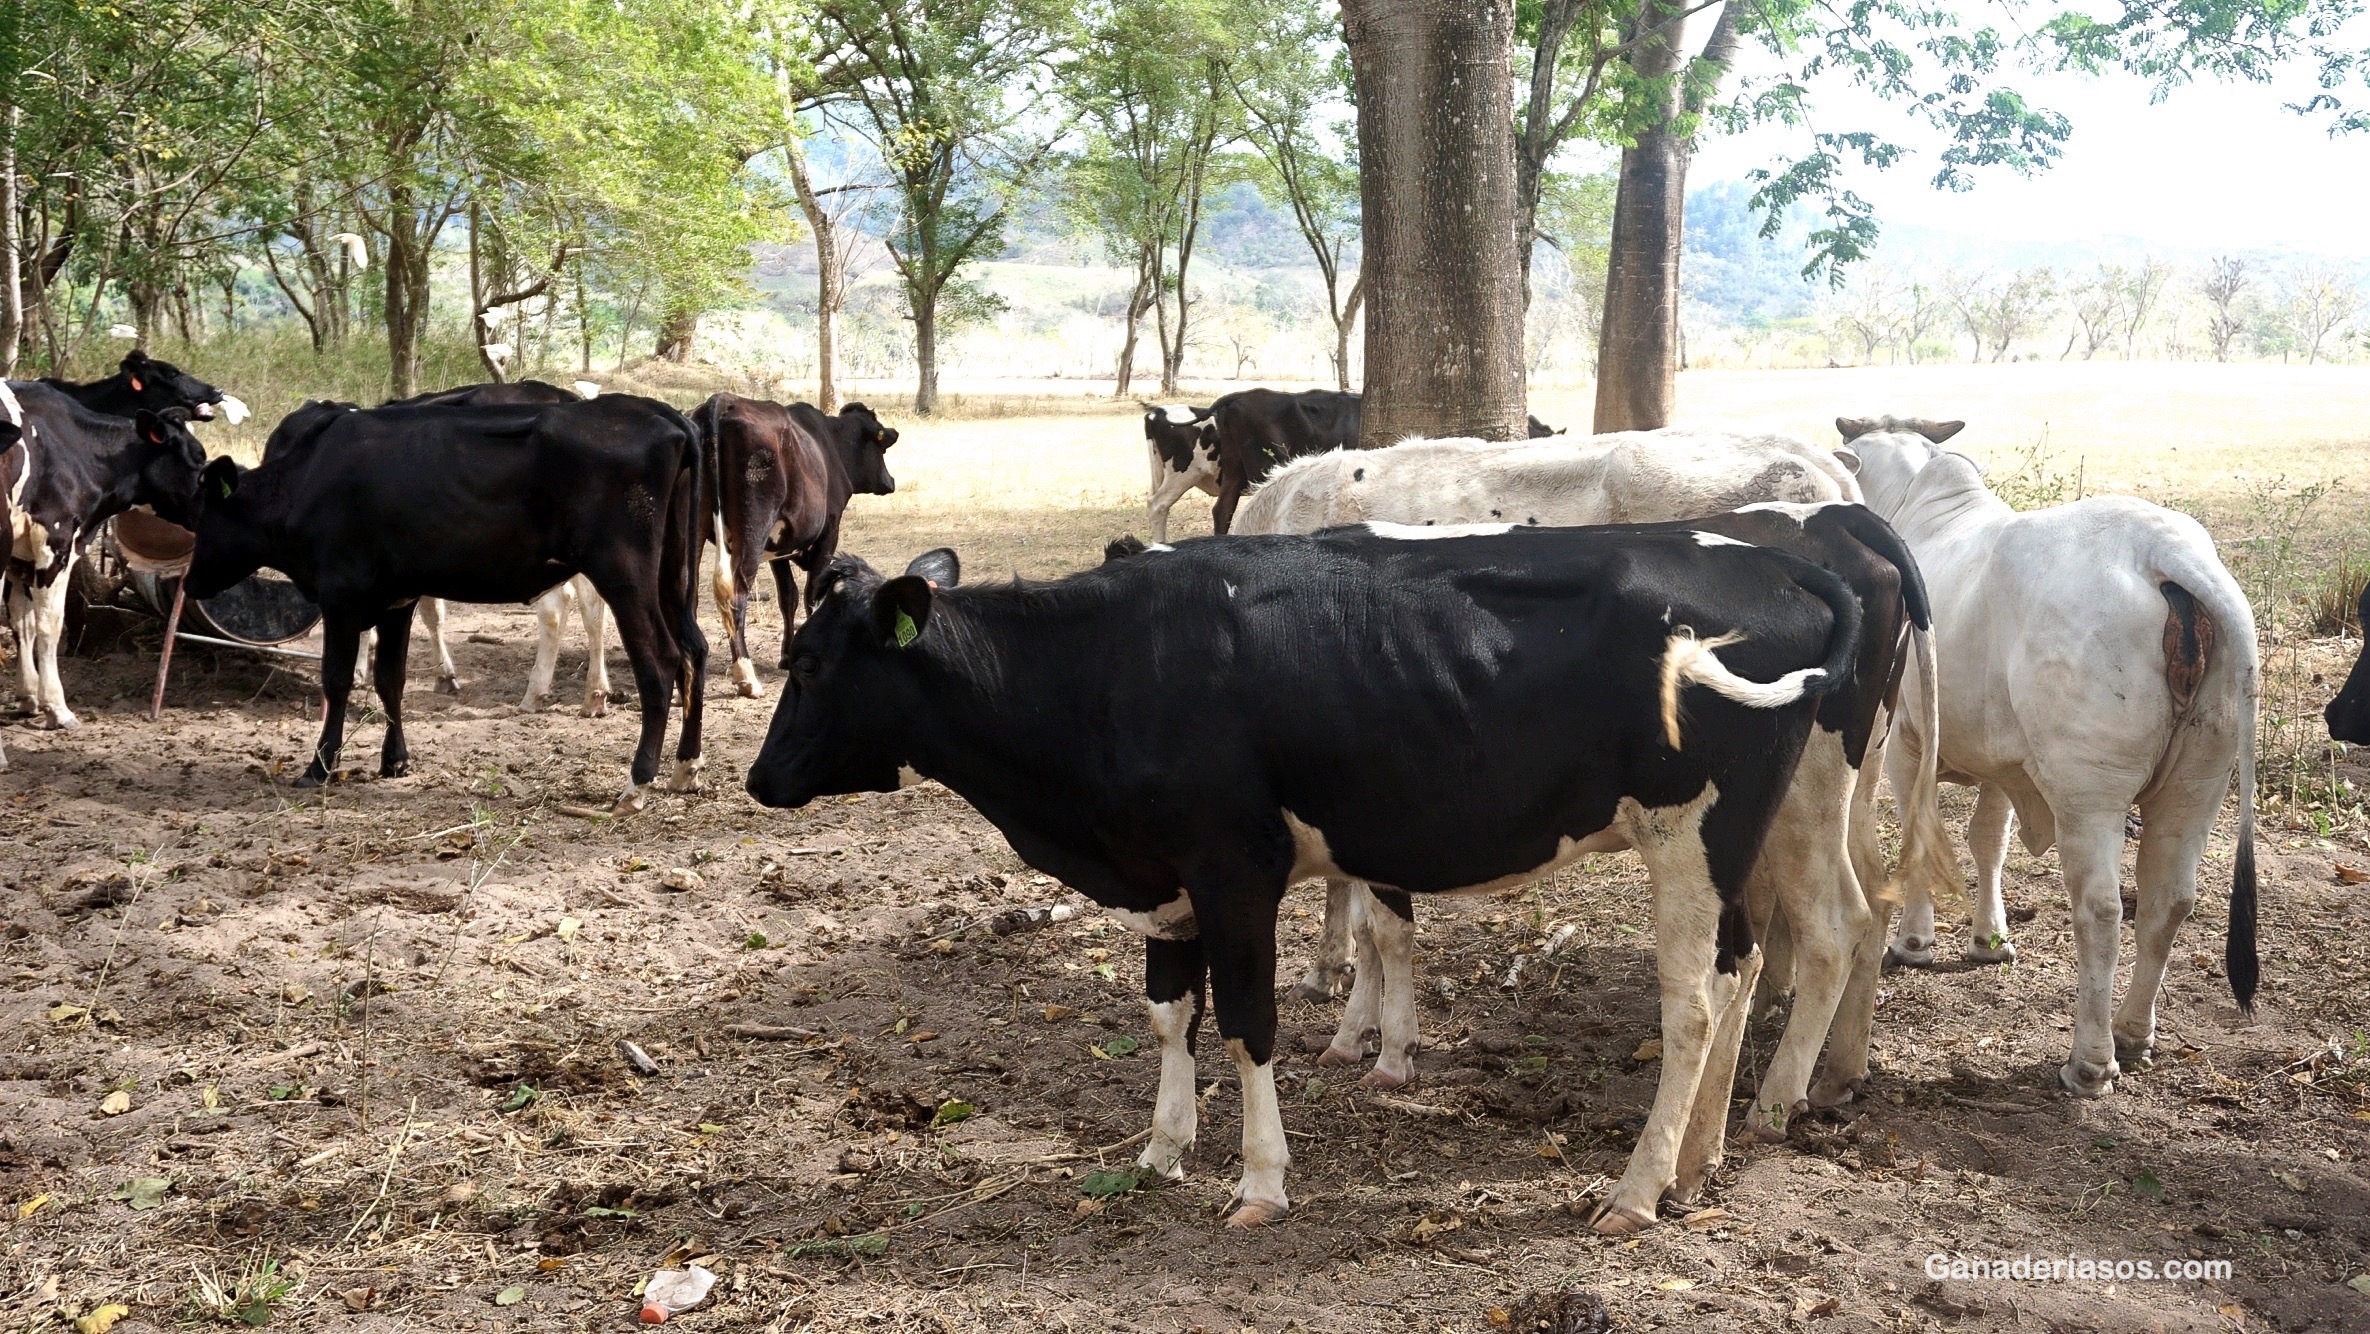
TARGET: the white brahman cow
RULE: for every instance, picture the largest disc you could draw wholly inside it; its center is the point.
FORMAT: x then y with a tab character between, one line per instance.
2098	656
1822	858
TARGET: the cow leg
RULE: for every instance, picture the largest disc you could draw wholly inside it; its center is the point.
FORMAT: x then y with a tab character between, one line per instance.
1704	1146
1390	926
1166	492
1231	484
1987	838
786	597
1775	931
1332	960
1855	1018
448	677
1173	988
2090	848
1362	1014
49	622
21	619
367	654
393	648
1806	866
691	656
1695	999
1236	904
341	643
593	610
551	612
2174	825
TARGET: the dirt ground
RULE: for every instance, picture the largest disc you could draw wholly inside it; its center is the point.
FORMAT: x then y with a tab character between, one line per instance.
368	1039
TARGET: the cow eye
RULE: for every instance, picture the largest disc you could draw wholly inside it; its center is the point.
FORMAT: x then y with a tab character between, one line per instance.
802	668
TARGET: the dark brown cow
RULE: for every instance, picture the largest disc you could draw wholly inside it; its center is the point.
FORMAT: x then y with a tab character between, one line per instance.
784	474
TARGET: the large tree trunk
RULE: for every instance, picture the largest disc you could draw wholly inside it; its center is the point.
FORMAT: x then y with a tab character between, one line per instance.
1138	301
677	335
1638	350
1443	286
410	246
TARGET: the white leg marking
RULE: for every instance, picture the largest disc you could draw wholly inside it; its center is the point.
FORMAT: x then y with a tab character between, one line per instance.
686	775
631	801
1694	998
1174	1114
550	623
1260	1197
23	619
49	613
448	677
1394	946
595	614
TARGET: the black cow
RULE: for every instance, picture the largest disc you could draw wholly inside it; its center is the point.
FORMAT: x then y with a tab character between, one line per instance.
369	511
1183	735
1258	430
142	381
77	469
488	395
1540	430
2348	715
784	475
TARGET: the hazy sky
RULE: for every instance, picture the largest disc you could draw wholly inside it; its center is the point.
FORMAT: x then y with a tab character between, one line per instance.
2212	167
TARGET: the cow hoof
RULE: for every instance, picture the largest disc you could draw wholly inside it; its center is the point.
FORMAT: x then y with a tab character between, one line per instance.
1386	1080
396	769
2088	1079
534	703
633	802
448	685
1622	1220
1340	1055
56	721
1769	1125
1256	1213
596	704
1164	1160
2136	1057
686	775
744	679
1980	952
1837	1093
1910	956
311	778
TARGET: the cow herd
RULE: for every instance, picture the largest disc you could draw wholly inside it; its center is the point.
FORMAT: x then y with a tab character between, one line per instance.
1437	667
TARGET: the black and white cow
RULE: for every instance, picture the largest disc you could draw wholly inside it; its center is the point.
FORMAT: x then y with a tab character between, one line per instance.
369	511
1260	430
1183	444
78	469
1183	735
2348	715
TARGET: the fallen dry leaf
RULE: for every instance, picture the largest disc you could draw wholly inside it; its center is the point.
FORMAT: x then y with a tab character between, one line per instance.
1703	1219
2352	875
359	1299
1649	1050
101	1320
115	1104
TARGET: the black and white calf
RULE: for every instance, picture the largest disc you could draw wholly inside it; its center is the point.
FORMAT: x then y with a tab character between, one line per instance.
1183	444
78	468
1183	735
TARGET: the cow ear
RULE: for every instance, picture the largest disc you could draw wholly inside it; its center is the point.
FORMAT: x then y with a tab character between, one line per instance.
846	408
900	609
1939	431
1120	548
220	480
1852	428
1850	458
153	428
939	565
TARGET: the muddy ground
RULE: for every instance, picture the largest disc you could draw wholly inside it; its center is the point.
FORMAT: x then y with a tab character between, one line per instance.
367	1042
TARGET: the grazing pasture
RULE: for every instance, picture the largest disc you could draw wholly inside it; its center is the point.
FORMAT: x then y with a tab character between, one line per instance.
367	1036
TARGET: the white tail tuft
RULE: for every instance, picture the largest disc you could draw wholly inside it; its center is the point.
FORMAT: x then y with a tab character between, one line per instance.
1687	660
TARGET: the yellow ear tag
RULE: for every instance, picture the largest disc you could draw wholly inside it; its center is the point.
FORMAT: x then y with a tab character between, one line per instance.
906	630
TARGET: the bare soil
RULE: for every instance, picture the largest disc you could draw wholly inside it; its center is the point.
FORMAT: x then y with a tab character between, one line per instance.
369	1035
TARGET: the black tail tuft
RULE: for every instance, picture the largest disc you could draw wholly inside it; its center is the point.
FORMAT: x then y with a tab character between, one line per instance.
2238	949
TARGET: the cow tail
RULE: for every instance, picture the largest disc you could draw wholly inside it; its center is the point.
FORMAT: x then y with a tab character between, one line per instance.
1872	532
711	429
691	540
1927	857
1687	660
2228	631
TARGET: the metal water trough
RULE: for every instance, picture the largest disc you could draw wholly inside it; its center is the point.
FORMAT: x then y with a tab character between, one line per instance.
261	614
